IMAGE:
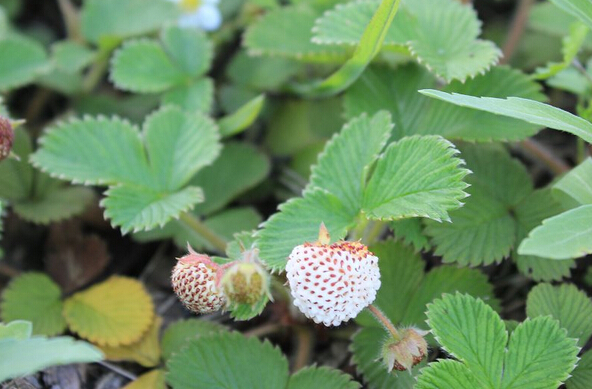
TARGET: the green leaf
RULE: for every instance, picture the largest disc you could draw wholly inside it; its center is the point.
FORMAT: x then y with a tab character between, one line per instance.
567	235
581	9
369	46
242	118
102	19
343	166
524	109
416	177
473	333
577	183
539	356
71	56
442	37
22	60
16	329
570	306
243	167
529	213
447	374
410	231
189	48
195	97
396	91
286	32
571	45
582	375
321	377
36	298
24	357
57	204
178	334
17	177
484	230
225	360
301	217
261	73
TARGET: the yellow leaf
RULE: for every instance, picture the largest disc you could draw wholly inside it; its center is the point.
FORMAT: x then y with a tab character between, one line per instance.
146	351
113	313
154	379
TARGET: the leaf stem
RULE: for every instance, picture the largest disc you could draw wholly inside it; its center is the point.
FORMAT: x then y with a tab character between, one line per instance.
201	229
71	19
386	323
374	232
516	30
554	164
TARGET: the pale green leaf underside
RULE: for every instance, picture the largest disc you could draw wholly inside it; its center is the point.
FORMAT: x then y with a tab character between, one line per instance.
22	60
416	177
321	377
582	9
297	222
396	91
572	307
447	374
578	183
16	329
24	357
286	32
342	168
524	109
441	36
472	332
225	360
582	374
36	298
567	235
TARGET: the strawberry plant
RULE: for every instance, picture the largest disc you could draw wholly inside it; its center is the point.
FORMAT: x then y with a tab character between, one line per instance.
243	194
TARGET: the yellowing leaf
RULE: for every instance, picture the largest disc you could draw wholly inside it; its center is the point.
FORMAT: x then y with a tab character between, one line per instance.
113	313
145	351
154	379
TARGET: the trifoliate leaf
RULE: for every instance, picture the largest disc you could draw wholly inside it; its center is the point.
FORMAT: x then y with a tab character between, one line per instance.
180	333
286	32
16	329
154	379
582	374
343	166
27	356
484	230
443	37
396	91
71	56
195	97
200	364
22	60
416	177
577	183
581	9
321	377
473	333
36	298
529	213
570	306
116	312
567	235
539	356
243	167
243	117
145	351
102	19
410	231
524	109
302	217
447	374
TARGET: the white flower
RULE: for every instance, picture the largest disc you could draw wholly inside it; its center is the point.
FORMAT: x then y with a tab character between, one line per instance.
202	14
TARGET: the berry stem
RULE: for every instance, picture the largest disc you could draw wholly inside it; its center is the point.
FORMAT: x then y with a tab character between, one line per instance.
204	231
382	319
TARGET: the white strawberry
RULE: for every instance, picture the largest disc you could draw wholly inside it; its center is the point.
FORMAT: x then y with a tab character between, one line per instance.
332	283
194	281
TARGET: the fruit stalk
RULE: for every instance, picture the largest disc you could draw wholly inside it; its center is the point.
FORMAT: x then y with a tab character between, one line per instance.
382	319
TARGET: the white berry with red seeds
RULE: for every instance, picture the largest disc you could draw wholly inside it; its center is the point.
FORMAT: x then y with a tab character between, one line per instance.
332	283
194	281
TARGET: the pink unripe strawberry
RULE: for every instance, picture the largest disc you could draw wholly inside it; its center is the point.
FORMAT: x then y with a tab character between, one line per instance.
406	352
332	283
6	137
194	281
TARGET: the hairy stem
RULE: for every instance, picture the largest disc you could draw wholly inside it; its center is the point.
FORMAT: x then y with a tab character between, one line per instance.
516	30
71	19
204	231
386	323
